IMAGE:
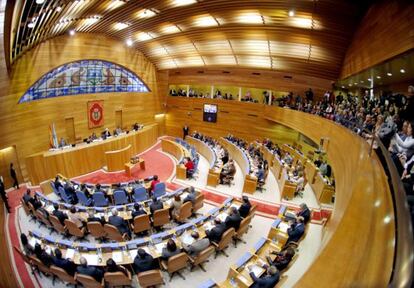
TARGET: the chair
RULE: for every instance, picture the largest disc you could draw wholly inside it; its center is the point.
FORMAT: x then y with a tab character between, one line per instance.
88	281
244	227
96	230
114	279
85	201
260	185
113	233
40	266
224	242
184	213
74	230
141	223
43	220
27	210
25	258
150	278
65	197
99	199
57	225
199	202
62	275
175	264
56	191
161	217
201	258
159	189
140	194
120	197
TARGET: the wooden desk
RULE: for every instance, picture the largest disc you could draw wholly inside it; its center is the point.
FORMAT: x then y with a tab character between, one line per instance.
129	166
250	182
287	188
310	171
85	158
297	156
208	153
323	191
115	160
179	152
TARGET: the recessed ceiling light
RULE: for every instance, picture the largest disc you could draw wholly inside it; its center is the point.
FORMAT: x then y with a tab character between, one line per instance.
369	79
402	71
170	29
343	87
378	77
356	83
291	13
362	81
31	25
183	2
145	13
58	9
120	26
389	74
71	32
350	84
205	21
40	1
143	36
129	42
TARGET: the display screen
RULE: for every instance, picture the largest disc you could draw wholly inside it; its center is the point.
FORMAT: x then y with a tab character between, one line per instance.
210	113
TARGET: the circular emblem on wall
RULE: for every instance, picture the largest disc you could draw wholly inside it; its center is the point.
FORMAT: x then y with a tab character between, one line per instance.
96	114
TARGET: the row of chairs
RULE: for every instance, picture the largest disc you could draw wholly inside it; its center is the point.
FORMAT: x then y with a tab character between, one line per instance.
140	223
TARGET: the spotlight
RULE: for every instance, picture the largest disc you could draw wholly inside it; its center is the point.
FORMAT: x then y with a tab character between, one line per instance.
378	77
58	9
40	1
31	25
129	42
402	71
291	13
389	74
71	32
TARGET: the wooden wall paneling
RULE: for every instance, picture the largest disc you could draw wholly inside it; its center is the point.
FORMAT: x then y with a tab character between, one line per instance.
118	119
27	125
8	155
70	130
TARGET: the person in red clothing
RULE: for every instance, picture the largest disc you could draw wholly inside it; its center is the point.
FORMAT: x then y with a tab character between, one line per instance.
154	182
189	166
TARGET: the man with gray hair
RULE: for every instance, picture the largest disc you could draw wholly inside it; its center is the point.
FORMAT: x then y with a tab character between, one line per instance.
92	271
119	223
268	280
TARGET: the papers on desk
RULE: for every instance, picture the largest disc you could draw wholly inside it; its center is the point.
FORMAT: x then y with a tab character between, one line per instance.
159	247
257	270
208	226
222	216
184	195
237	206
33	241
48	250
92	259
50	209
283	226
70	253
117	256
186	239
290	214
169	202
133	253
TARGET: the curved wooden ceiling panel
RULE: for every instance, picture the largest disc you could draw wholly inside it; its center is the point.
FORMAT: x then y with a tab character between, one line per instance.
189	33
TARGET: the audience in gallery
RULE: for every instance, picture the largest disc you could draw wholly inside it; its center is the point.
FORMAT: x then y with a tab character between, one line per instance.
268	280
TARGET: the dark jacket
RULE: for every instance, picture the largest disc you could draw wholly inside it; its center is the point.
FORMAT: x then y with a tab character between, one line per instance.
157	205
138	213
245	209
65	264
144	264
216	232
119	223
296	232
306	214
267	281
233	221
60	215
96	219
92	271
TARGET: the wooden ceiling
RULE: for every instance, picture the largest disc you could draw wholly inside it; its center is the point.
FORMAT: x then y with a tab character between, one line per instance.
195	33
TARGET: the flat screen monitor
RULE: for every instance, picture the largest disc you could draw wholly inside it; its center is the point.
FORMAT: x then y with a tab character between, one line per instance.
210	113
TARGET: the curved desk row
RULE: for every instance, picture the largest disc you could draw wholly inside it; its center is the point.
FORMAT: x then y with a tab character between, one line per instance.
85	158
208	153
124	252
115	160
250	182
179	152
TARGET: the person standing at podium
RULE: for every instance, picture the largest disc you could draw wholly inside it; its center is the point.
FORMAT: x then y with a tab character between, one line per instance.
186	130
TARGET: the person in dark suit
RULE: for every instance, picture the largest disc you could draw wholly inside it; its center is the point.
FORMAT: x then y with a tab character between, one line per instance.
304	212
57	182
268	280
245	207
92	271
296	230
70	191
155	205
4	195
191	197
112	267
170	250
214	235
282	259
13	175
93	218
185	131
143	262
27	197
119	222
65	264
233	220
59	214
138	211
35	202
41	254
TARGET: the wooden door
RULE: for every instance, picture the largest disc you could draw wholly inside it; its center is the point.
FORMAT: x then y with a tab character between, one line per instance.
70	130
8	155
118	119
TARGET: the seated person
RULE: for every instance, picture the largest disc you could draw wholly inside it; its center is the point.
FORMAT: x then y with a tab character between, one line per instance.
143	262
228	170
136	126
93	218
74	217
70	192
36	202
41	254
282	259
154	182
197	246
62	142
85	190
296	230
92	137
192	195
120	223
138	211
92	271
189	167
27	197
156	205
176	205
300	182
260	174
65	264
111	267
106	133
118	131
27	249
98	188
318	162
304	212
234	219
287	159
214	235
170	250
267	280
59	214
57	182
245	207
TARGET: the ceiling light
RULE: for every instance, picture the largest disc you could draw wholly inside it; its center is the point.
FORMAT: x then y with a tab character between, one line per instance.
58	9
343	87
350	84
378	77
369	79
205	21
362	81
389	74
291	13
177	3
356	83
40	1
402	71
120	26
250	18
71	32
170	29
31	25
129	42
144	36
145	13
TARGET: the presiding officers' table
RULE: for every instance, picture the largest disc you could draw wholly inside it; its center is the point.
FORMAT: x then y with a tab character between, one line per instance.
85	158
